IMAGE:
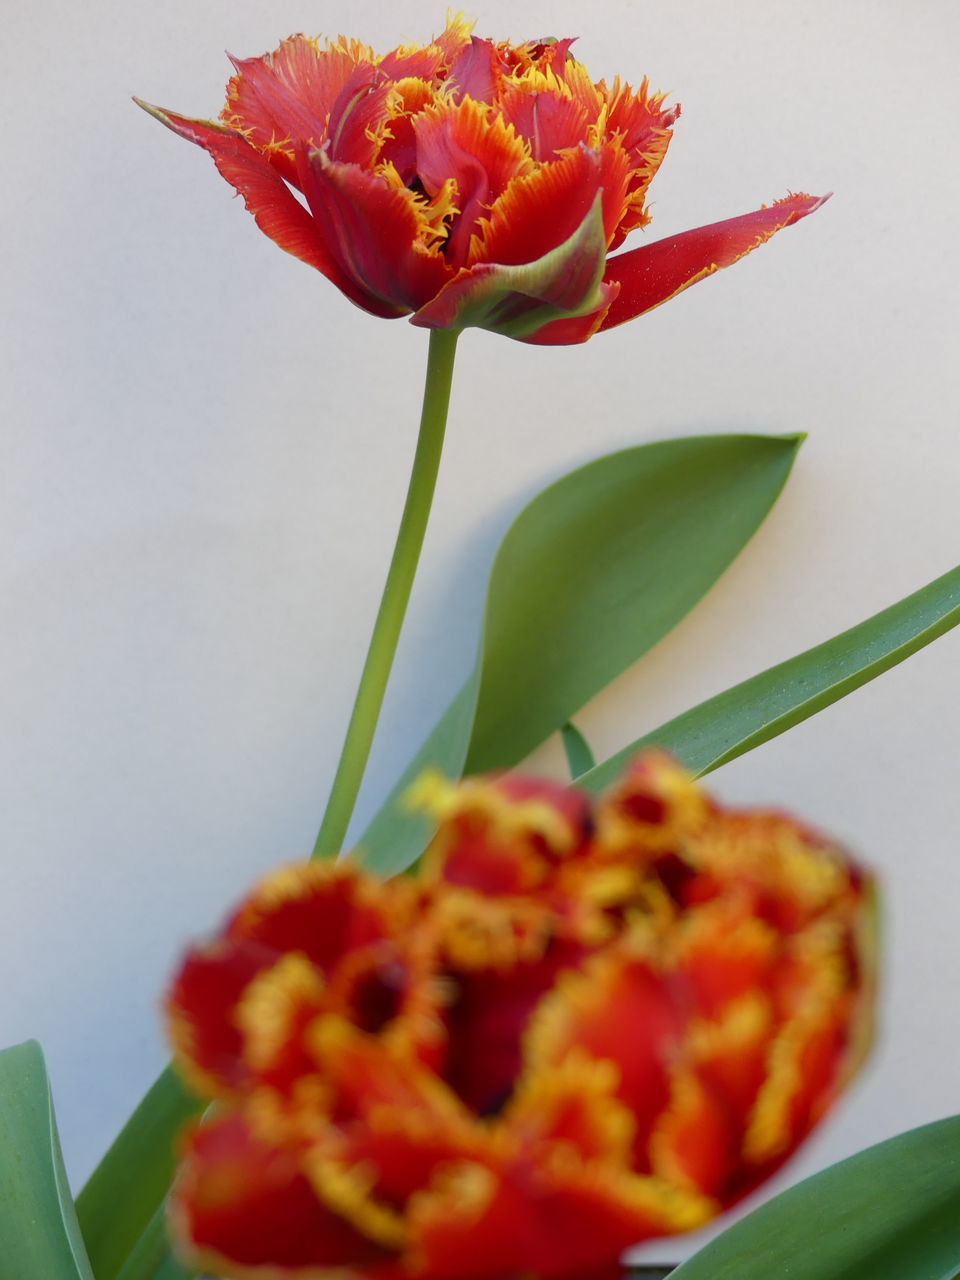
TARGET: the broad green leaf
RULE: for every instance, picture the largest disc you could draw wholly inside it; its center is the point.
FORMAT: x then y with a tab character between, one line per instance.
766	705
890	1213
579	756
117	1204
591	574
39	1236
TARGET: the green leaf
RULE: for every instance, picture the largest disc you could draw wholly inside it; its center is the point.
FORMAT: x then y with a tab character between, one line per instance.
152	1258
39	1235
591	574
117	1204
890	1213
766	705
579	756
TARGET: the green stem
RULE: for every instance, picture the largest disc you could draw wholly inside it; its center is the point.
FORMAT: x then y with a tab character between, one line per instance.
396	593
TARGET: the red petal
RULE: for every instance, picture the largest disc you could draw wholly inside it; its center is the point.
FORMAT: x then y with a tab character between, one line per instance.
323	909
399	146
520	300
375	232
658	272
573	1102
539	211
201	1008
475	71
277	211
553	1219
240	1203
565	333
479	150
420	63
357	118
488	1022
618	1008
287	95
550	122
696	1142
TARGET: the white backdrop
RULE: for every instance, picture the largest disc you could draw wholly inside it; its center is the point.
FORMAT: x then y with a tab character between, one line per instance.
205	449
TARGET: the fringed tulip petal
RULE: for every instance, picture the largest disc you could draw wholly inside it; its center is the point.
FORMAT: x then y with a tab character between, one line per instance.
357	211
244	1207
519	300
556	1218
655	273
550	120
277	211
474	146
325	910
201	1009
287	95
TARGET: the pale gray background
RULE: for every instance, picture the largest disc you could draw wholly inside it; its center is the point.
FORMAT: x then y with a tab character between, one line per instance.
204	452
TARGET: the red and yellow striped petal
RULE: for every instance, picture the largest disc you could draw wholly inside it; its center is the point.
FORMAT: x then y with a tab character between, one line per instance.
551	121
656	273
618	1008
287	94
378	233
539	211
277	211
553	1217
244	1207
520	300
207	1042
324	910
474	71
479	150
488	1020
573	1103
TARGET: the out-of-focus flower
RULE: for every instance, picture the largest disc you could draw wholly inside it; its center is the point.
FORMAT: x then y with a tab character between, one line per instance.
583	1023
465	182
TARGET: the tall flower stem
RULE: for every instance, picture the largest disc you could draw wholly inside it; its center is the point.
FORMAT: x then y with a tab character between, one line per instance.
396	594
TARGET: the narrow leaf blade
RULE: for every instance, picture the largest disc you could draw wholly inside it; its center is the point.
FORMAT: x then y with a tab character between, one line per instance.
123	1193
38	1225
751	713
891	1212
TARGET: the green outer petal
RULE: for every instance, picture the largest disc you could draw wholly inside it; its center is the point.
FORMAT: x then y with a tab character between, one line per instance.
39	1235
891	1212
518	300
739	719
592	573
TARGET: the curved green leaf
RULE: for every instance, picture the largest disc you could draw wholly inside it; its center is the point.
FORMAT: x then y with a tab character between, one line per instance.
123	1193
39	1236
591	574
751	713
890	1213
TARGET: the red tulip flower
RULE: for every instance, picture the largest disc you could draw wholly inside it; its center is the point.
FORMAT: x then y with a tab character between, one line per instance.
465	183
583	1023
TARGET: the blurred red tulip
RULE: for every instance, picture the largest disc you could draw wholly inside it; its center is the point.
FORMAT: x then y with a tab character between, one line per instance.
583	1023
